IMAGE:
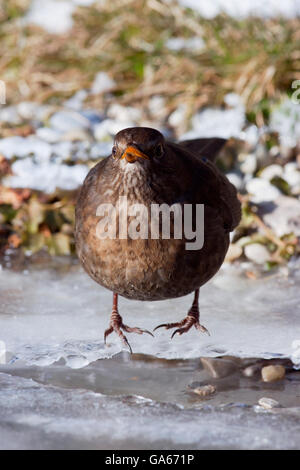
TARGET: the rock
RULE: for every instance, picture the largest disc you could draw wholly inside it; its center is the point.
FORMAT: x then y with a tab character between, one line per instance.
271	171
249	164
282	215
268	403
68	120
203	390
252	370
262	190
257	253
218	368
272	373
102	83
234	252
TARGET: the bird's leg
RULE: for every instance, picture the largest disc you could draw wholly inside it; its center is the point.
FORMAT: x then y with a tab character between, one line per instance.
191	319
116	324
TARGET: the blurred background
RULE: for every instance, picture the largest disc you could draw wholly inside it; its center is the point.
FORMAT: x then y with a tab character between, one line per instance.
75	72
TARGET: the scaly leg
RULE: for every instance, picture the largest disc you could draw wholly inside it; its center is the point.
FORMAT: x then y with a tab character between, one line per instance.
116	324
191	319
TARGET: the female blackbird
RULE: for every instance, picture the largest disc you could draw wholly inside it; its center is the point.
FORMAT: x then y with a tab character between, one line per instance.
153	264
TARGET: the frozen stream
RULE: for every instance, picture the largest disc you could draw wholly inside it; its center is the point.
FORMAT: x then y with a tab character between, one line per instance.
61	388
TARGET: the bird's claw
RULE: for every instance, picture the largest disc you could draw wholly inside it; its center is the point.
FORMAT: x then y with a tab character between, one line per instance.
184	325
116	327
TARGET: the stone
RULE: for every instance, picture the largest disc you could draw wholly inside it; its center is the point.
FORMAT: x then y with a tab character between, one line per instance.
272	373
257	253
203	390
218	368
268	403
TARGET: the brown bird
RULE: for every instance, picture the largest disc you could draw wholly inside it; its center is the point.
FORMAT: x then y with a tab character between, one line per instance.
147	170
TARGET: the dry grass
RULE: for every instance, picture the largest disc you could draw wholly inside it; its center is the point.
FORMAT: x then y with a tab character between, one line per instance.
126	38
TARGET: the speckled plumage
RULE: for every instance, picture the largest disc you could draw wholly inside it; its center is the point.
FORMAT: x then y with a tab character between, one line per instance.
156	269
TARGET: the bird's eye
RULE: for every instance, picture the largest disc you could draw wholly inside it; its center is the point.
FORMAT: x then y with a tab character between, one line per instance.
114	151
159	150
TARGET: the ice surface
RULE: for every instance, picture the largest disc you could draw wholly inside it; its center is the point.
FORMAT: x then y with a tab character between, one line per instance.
49	314
37	416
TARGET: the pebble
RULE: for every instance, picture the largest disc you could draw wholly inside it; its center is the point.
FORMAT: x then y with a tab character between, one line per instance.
268	403
203	390
272	373
261	190
218	368
257	253
252	370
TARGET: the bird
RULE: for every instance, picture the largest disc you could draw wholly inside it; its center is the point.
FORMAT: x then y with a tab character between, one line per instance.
150	171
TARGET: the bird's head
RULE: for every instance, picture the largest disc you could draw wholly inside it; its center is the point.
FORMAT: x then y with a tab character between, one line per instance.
138	144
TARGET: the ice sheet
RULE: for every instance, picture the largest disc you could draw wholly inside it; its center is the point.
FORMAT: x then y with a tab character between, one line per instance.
45	417
59	312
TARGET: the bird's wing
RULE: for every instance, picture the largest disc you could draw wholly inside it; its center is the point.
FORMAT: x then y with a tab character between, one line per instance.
209	186
208	148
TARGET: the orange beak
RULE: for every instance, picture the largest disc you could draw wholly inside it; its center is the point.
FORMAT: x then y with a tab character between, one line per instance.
132	154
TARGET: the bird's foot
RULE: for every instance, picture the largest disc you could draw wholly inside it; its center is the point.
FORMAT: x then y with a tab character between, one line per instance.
116	324
192	319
